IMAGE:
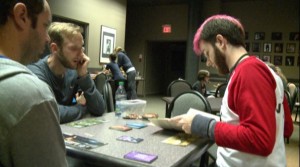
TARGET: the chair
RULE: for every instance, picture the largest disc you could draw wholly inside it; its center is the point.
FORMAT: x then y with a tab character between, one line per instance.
186	100
103	86
100	81
108	97
175	88
220	91
178	86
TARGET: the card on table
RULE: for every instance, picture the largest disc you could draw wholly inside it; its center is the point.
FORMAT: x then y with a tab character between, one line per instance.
180	139
136	125
86	122
141	157
81	142
120	128
130	139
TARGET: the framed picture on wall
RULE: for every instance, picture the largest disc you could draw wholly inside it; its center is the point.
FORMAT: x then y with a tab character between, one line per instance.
289	60
259	36
276	36
107	43
255	47
290	47
278	60
266	58
294	36
278	47
267	47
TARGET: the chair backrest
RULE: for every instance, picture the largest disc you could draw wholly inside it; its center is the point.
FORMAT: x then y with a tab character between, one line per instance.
186	100
220	91
178	86
108	97
293	91
100	81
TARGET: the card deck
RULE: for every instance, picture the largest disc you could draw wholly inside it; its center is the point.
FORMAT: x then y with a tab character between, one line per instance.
120	128
141	157
136	125
130	139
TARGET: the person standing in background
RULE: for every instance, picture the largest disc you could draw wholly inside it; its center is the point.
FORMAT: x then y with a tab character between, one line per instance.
253	107
65	71
124	62
113	67
200	85
30	135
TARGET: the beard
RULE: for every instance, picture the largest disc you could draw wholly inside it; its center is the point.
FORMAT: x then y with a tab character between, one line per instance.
32	48
64	61
220	62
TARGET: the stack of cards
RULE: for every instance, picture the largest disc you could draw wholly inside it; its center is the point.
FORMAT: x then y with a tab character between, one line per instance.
136	125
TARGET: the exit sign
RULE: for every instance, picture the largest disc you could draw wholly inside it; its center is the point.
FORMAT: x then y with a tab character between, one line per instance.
167	28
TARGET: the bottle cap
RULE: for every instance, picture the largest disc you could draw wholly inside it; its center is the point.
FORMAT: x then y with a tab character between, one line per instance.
121	83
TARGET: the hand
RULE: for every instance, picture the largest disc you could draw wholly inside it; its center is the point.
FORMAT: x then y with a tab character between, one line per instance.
80	99
185	121
82	66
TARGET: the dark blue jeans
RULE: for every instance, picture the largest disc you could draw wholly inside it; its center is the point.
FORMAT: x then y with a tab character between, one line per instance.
131	85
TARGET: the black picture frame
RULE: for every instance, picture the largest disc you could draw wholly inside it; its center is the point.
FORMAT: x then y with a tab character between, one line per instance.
247	46
107	43
255	47
276	35
289	60
246	35
290	47
277	60
266	58
294	36
267	47
259	36
278	47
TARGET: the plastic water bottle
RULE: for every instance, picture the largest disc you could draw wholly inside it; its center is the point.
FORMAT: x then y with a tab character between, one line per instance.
119	96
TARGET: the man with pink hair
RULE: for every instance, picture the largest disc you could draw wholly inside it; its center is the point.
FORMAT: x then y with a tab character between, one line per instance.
253	108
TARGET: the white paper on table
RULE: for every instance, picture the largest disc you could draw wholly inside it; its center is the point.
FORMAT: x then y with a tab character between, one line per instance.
205	114
165	123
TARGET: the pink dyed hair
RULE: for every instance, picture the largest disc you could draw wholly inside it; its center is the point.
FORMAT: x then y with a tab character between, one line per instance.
197	36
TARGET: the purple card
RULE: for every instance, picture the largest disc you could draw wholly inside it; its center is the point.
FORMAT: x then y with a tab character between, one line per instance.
141	157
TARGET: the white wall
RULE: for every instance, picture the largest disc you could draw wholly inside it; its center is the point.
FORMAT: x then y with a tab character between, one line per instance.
111	13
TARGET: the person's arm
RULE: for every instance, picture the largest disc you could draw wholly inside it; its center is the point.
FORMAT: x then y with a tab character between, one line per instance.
94	99
70	113
37	139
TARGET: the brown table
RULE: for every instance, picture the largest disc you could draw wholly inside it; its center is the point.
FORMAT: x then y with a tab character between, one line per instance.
112	153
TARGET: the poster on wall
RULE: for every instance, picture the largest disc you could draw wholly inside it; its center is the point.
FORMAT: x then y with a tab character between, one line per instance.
107	43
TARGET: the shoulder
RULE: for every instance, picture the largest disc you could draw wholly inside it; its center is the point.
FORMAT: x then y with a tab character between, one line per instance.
253	67
22	93
29	85
40	68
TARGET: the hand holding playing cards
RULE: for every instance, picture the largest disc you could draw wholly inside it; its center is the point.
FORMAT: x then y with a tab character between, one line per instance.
185	121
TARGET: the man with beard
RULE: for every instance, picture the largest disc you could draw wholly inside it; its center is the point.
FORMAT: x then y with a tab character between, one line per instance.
253	108
65	71
30	134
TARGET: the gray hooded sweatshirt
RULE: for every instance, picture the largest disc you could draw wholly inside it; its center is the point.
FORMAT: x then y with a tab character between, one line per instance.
30	135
